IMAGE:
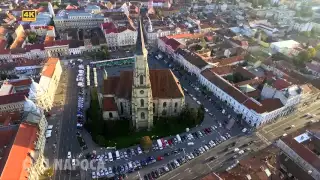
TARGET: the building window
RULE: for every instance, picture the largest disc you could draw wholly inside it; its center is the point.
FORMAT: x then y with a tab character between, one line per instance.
141	79
164	104
176	104
141	102
121	107
142	115
154	108
175	110
110	115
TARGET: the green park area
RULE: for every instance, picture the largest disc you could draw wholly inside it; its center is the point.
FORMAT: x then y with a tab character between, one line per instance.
121	134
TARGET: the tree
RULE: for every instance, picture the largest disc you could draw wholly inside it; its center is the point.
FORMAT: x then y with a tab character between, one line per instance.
312	53
317	47
48	172
100	140
200	114
32	37
146	143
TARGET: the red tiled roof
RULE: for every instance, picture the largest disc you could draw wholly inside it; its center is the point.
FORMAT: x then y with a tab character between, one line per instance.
7	117
280	84
7	136
231	60
163	83
57	43
189	36
174	44
110	85
224	85
109	104
302	151
244	72
12	98
254	94
3	43
34	46
222	70
193	58
252	82
20	82
18	160
164	39
49	67
4	51
108	25
267	105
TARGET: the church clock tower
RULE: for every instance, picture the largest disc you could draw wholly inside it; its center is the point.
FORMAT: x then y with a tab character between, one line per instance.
142	110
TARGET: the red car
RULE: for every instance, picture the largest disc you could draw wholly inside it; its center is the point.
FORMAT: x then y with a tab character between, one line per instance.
159	158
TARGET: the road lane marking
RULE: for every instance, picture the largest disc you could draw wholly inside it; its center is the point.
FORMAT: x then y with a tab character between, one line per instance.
209	166
207	158
195	177
187	169
174	176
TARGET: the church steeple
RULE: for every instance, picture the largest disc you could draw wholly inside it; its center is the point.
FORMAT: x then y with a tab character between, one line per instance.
141	37
141	104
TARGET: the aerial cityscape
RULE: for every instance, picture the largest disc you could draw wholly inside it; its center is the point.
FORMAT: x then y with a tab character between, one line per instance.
159	89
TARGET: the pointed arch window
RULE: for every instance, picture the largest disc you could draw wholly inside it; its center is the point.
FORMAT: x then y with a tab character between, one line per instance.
143	115
164	104
141	79
121	107
141	102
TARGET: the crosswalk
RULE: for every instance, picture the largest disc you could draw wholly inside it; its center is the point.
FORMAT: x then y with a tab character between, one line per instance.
265	140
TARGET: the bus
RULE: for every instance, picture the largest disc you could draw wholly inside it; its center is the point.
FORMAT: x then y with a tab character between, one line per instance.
159	144
110	156
117	155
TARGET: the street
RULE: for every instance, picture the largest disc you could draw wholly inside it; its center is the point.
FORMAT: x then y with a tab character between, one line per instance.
67	133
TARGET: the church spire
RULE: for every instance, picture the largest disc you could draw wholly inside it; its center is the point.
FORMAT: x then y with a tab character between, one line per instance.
141	37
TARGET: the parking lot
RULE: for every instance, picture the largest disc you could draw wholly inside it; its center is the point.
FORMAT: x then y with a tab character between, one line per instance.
209	134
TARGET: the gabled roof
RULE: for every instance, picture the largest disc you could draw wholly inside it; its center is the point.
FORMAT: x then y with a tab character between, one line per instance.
222	70
49	67
163	84
193	58
20	82
12	98
109	104
18	160
174	44
110	85
266	105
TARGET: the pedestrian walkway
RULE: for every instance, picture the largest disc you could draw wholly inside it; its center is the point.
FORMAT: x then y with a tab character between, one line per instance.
56	115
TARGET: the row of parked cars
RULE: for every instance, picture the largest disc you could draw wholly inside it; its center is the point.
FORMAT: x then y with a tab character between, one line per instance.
179	161
80	112
117	155
188	156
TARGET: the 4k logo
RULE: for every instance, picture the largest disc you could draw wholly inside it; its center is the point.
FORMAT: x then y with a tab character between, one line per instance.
29	15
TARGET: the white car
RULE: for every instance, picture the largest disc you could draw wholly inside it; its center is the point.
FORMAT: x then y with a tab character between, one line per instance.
198	102
139	150
194	98
69	155
206	109
73	162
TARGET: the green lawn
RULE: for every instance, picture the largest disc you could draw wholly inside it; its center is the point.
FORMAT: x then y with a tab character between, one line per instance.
159	130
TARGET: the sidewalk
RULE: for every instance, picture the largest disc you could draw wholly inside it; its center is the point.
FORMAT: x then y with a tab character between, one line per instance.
52	143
